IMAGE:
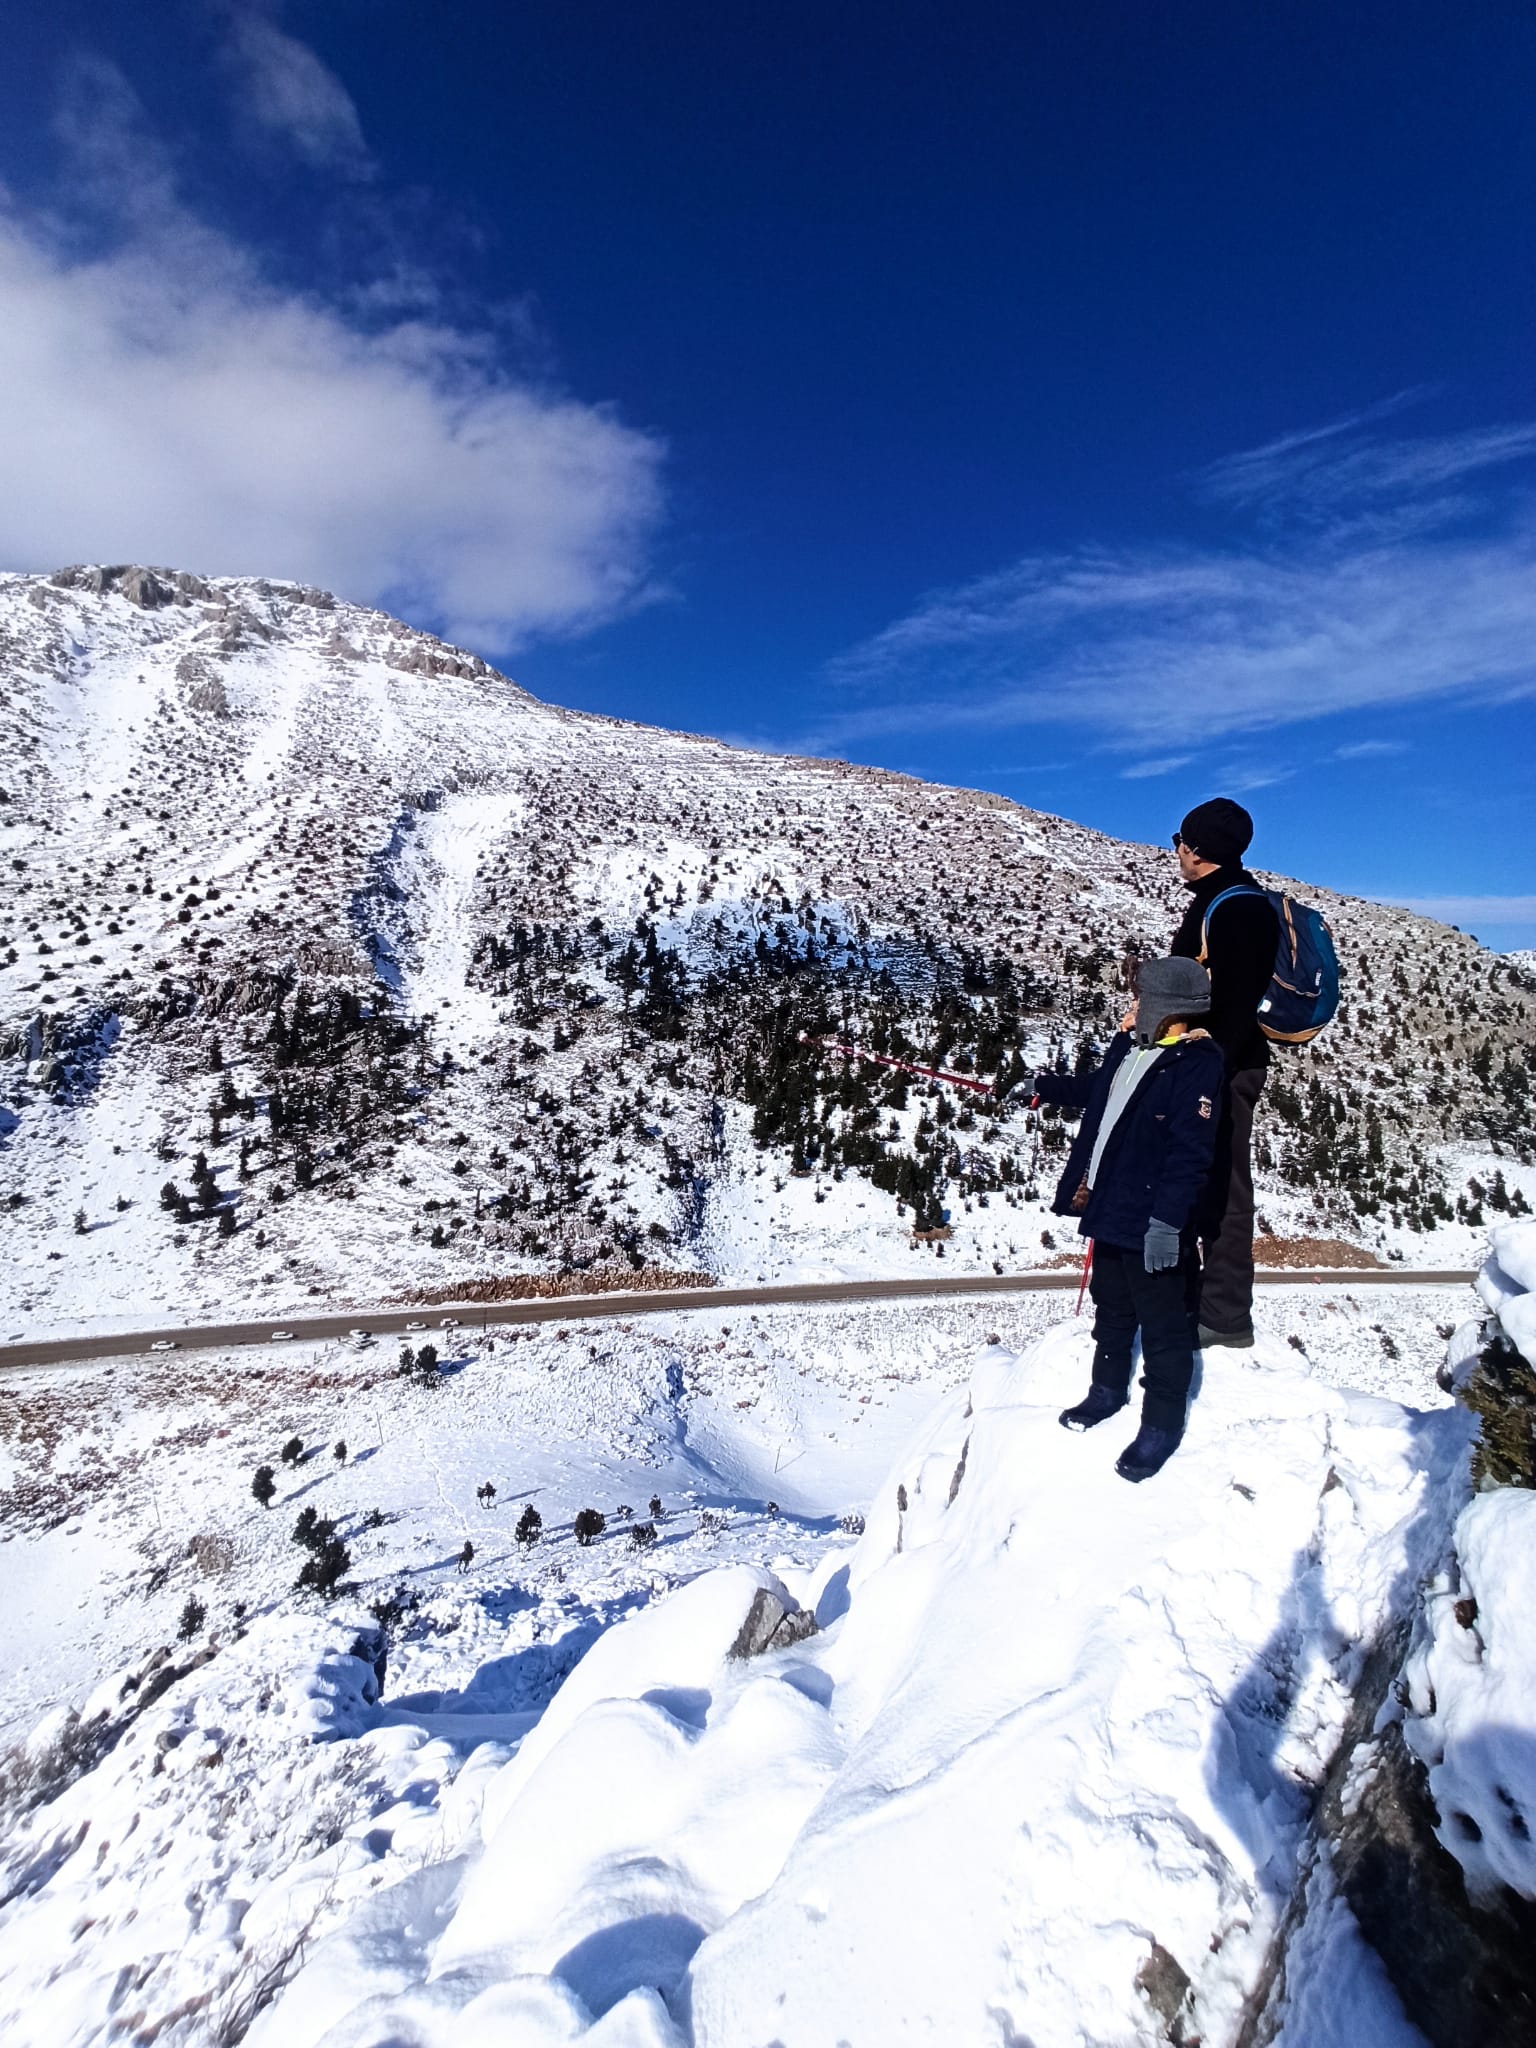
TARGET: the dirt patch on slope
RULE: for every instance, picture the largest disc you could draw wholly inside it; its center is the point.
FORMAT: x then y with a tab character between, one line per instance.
1301	1252
558	1286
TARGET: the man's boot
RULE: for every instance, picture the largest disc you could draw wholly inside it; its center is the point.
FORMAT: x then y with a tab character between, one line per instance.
1240	1339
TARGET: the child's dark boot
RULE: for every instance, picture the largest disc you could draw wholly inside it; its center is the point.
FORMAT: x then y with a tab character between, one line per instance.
1149	1453
1101	1403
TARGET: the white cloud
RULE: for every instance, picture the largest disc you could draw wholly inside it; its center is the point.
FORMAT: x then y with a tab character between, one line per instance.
1337	469
1163	766
1370	750
165	401
287	90
1392	603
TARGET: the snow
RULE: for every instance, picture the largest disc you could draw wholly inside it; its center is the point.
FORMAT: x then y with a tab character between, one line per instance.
1045	1770
1477	1679
1471	1678
355	781
1047	1721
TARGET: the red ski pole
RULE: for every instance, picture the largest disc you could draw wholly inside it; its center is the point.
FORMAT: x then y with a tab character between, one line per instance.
1083	1285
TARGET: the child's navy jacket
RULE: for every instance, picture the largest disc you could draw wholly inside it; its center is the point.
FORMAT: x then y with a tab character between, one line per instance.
1159	1153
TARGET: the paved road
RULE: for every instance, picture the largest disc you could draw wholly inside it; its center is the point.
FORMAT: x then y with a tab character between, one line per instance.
382	1322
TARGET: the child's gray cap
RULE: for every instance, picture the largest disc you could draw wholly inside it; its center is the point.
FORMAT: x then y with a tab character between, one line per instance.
1173	988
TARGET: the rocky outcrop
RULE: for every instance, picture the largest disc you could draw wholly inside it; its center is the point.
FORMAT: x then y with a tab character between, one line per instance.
147	588
771	1623
1463	1968
1425	1825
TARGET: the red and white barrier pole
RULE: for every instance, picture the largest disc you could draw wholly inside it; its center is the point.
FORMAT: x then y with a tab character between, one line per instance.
880	1059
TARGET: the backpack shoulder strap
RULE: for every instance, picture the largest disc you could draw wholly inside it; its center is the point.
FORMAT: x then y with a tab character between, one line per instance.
1239	889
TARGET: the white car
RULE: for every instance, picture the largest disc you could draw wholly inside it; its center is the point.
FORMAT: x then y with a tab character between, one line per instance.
282	1336
163	1344
449	1323
415	1326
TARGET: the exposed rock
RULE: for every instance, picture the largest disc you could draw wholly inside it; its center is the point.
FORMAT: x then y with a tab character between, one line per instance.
423	656
770	1625
207	692
142	587
959	1474
147	588
1164	1983
1463	1970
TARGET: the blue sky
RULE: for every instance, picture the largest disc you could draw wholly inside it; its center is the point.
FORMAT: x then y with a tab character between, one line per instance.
1106	404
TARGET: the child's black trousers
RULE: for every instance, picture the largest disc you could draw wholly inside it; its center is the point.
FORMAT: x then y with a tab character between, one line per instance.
1127	1298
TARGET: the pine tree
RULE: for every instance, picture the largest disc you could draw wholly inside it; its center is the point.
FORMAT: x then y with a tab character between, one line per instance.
263	1486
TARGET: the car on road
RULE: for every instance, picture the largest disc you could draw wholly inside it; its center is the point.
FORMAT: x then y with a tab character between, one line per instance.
282	1336
415	1326
164	1344
449	1323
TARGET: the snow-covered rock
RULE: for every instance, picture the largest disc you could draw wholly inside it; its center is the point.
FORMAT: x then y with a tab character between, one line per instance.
1043	1774
1473	1679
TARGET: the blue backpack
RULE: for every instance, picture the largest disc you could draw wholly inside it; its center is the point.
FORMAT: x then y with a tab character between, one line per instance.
1304	988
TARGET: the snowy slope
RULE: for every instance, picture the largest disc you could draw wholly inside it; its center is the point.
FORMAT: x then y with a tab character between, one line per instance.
1043	1772
227	802
1054	1671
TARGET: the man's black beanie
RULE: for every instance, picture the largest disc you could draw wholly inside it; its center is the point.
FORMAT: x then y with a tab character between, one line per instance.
1220	830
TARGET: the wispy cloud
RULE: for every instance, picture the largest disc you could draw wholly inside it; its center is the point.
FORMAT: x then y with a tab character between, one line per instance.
1370	750
1337	472
1392	599
1163	766
291	94
167	401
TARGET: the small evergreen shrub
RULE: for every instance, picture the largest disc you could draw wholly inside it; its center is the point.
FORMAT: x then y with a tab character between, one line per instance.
589	1523
193	1615
325	1566
292	1451
530	1524
264	1486
642	1535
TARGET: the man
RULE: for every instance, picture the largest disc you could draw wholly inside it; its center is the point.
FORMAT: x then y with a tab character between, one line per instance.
1237	944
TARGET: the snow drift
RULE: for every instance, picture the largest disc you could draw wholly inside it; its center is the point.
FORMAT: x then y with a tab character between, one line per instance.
1043	1773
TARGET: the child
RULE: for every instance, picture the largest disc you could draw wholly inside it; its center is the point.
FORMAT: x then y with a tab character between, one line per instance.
1137	1166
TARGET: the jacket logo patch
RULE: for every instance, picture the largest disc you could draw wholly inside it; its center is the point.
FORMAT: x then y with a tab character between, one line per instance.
1205	1105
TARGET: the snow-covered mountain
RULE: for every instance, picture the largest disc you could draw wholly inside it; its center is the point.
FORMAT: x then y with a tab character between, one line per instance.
336	964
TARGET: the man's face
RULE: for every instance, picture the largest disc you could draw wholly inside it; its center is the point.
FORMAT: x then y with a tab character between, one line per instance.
1191	866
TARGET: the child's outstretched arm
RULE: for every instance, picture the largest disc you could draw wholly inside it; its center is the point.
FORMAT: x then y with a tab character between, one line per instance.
1193	1111
1075	1091
1069	1091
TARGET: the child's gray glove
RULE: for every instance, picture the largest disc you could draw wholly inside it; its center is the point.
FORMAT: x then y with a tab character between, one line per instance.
1162	1246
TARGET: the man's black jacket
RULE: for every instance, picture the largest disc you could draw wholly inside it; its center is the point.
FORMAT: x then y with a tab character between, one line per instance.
1244	937
1159	1153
